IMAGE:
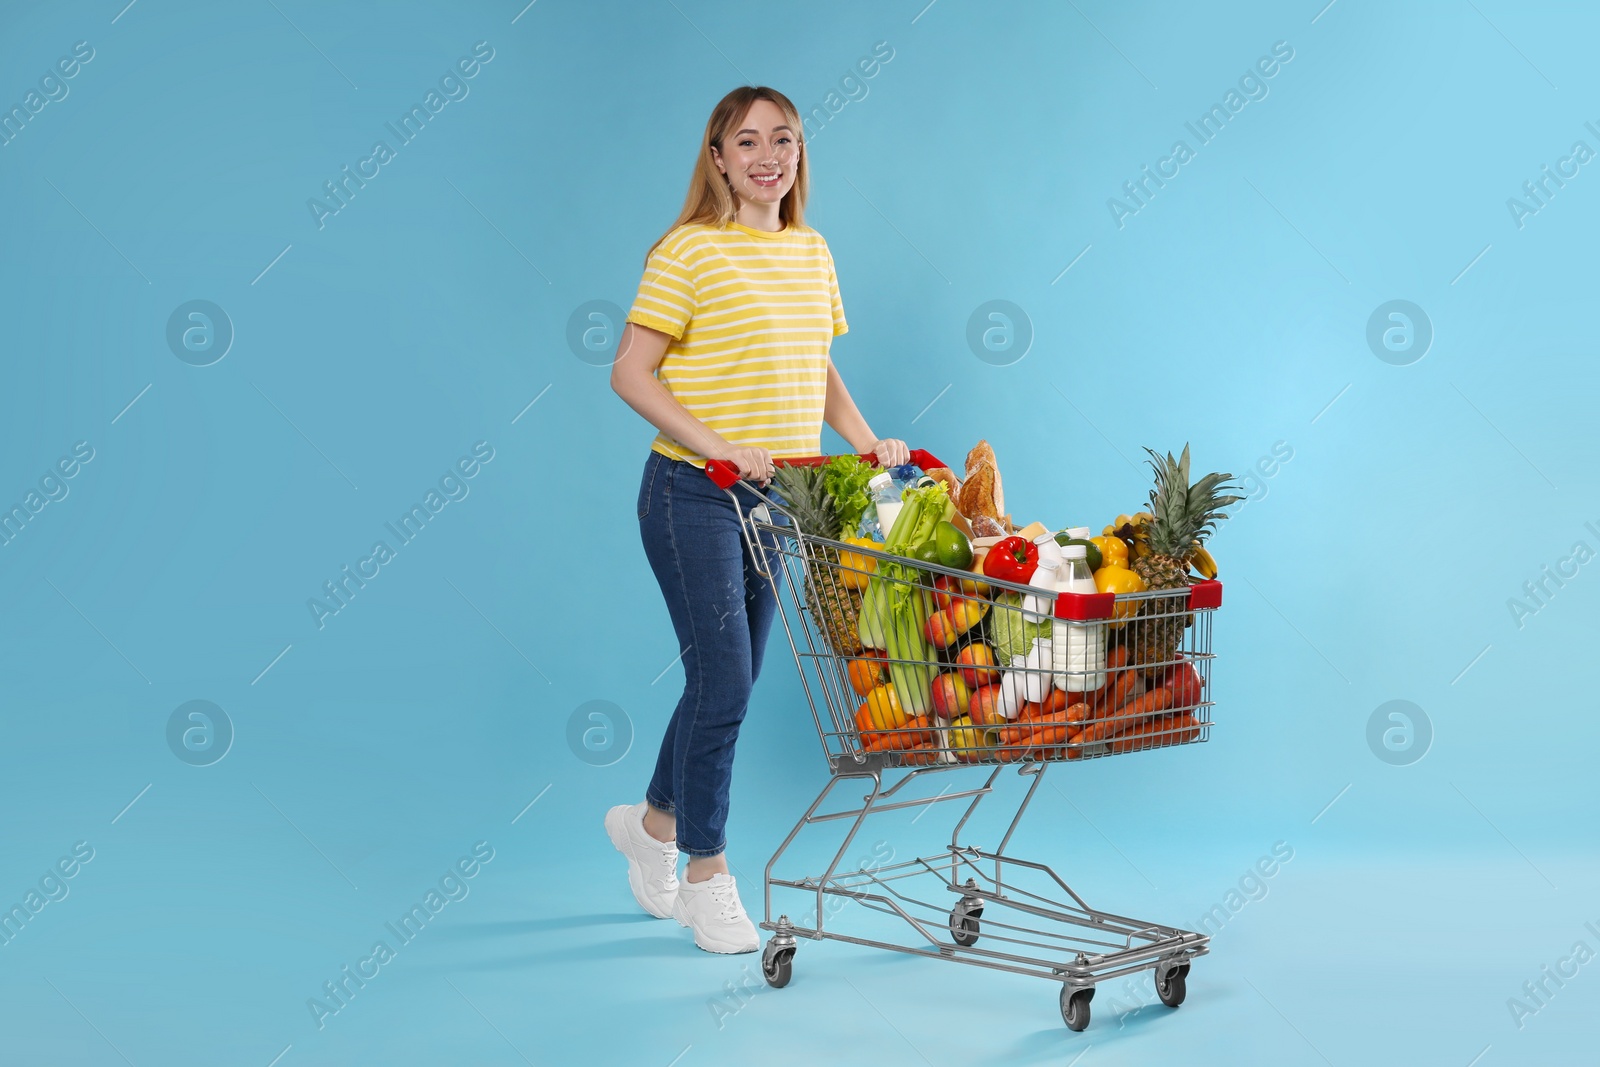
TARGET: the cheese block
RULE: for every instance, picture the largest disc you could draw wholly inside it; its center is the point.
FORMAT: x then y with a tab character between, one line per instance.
1032	530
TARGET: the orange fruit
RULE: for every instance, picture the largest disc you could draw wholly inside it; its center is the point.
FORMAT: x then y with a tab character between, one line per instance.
865	674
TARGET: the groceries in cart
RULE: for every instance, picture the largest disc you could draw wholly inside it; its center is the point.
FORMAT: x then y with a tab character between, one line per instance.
962	637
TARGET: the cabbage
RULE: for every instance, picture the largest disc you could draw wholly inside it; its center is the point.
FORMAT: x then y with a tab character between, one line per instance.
1010	631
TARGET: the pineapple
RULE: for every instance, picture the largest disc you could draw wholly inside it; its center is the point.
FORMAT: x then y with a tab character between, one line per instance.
1182	516
831	603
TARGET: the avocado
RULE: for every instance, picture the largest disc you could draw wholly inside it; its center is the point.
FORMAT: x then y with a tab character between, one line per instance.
954	549
1091	551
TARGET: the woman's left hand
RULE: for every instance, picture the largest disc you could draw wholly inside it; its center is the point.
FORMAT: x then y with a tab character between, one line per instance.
891	452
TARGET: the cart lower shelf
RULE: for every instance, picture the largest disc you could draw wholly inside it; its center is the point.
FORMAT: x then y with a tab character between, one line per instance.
960	905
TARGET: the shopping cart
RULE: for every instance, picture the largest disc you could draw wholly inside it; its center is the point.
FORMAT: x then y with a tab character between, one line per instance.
1053	933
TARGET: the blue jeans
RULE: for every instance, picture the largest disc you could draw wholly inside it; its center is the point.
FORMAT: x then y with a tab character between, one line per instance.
722	610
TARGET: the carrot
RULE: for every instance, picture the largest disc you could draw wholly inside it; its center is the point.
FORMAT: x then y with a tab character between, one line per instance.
1116	659
1078	712
1121	689
912	732
1158	732
1031	733
915	731
1019	727
920	754
1129	715
1035	735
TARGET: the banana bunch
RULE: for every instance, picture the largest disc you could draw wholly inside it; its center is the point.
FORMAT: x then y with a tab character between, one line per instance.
1135	530
1201	560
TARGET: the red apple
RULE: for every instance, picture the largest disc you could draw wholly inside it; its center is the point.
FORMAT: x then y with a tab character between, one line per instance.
977	665
1184	682
951	697
942	628
984	708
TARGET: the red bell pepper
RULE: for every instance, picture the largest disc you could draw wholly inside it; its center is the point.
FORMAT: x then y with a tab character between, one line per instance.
1011	559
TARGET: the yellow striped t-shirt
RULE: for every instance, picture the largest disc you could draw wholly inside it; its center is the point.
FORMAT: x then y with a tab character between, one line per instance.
752	315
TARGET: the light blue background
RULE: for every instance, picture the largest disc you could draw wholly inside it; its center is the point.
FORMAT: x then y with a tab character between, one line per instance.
975	165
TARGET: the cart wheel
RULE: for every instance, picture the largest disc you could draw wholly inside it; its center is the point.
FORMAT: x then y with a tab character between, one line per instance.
1075	1006
1171	990
776	966
964	925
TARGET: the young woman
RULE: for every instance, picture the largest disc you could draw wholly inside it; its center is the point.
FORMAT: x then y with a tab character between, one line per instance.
726	354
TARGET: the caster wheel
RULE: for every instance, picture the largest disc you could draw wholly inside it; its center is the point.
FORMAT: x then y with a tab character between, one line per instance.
964	925
776	965
1075	1006
1172	989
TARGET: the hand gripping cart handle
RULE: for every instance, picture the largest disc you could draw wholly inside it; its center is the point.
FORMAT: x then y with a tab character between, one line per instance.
725	474
889	656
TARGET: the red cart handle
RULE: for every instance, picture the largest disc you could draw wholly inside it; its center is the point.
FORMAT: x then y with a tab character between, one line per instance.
724	472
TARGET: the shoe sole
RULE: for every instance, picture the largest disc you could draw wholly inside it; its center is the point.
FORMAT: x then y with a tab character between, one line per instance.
708	948
618	833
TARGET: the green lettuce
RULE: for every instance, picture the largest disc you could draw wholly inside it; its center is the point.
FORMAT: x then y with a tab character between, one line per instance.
845	479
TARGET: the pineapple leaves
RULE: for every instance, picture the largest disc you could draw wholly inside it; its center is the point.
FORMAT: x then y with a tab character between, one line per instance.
1185	514
808	501
826	501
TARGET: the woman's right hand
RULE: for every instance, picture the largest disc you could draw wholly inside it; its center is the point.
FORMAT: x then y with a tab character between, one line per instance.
755	464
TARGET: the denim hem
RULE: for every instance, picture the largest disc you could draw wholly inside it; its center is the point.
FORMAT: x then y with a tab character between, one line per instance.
665	809
706	854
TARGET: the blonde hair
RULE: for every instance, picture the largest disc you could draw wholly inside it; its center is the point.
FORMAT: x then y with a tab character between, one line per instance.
711	199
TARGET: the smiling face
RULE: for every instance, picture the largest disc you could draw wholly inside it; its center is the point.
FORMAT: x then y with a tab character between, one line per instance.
760	157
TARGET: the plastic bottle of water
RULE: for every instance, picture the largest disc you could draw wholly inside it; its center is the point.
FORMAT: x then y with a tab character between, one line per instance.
878	520
1079	648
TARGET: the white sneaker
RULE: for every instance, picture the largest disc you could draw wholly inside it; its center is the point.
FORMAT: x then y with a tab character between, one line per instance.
652	864
712	910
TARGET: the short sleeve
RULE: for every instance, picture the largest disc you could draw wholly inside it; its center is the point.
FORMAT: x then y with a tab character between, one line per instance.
839	325
666	299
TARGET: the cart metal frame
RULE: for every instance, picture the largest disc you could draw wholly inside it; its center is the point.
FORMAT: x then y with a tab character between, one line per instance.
943	896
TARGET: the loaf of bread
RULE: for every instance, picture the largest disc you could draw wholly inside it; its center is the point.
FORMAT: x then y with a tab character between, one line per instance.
982	497
953	485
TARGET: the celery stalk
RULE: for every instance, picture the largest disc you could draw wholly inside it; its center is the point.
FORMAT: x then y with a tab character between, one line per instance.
901	604
913	681
873	619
